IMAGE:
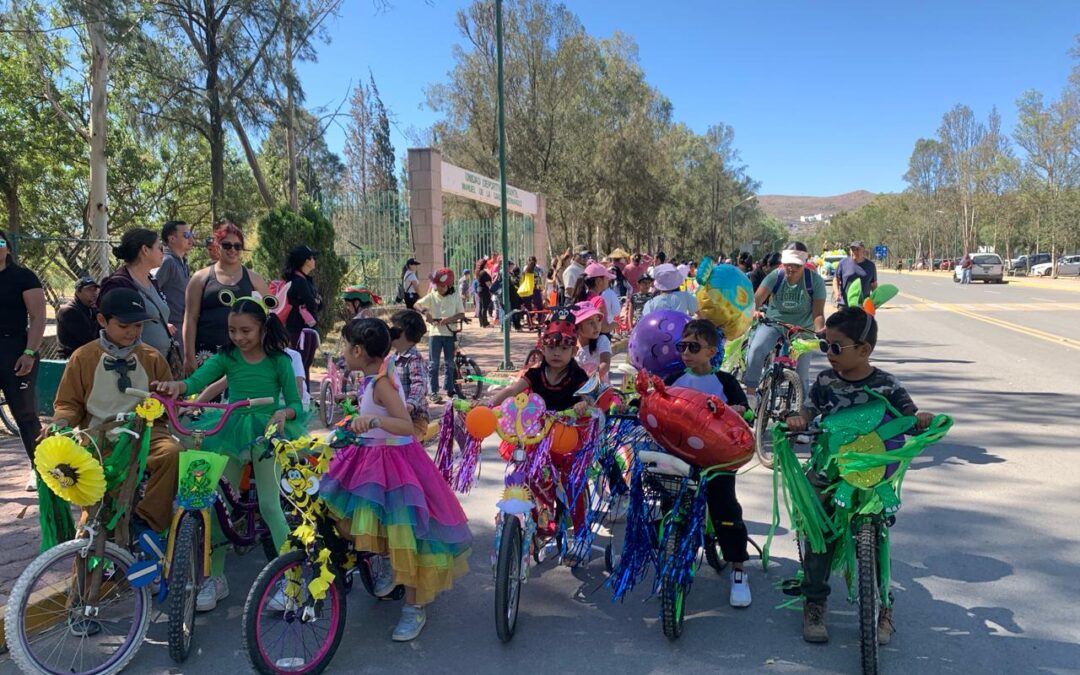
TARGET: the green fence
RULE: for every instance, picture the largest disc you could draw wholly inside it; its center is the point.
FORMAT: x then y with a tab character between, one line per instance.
467	240
374	235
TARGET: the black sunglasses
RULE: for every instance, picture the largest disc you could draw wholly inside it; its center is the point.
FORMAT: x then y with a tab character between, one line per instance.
229	246
833	348
693	347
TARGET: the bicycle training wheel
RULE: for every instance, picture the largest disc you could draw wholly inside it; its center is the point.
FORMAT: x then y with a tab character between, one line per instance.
508	578
45	623
283	635
866	551
779	397
672	594
327	404
184	577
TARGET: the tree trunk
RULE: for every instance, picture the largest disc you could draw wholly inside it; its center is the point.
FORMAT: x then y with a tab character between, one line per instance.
217	124
290	111
253	163
9	184
99	109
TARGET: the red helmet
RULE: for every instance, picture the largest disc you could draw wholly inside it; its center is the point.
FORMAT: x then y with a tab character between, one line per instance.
443	275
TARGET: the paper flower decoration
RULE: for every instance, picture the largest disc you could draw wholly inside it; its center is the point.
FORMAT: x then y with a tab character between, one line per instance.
150	409
70	471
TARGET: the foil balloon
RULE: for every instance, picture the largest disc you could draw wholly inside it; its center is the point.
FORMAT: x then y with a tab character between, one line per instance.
652	344
725	296
696	427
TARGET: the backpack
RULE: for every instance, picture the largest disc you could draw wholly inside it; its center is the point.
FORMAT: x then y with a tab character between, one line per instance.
809	280
279	288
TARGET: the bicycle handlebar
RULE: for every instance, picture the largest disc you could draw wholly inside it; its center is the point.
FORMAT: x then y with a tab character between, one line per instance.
171	406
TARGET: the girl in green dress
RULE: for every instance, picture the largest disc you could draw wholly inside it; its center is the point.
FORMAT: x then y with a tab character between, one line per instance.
256	365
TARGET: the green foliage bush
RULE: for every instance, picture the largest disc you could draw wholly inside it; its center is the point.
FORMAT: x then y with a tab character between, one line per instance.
280	230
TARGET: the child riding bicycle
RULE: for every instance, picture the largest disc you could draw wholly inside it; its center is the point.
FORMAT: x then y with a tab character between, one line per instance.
91	392
850	338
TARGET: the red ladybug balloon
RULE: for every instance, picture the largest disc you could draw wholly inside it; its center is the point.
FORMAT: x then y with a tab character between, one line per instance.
696	427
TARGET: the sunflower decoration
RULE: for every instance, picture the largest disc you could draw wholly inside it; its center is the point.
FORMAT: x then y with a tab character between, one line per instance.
150	410
70	471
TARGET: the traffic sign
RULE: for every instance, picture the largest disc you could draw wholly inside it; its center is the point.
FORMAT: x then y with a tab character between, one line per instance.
881	251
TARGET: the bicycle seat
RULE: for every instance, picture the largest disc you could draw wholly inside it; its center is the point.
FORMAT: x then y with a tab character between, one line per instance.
661	462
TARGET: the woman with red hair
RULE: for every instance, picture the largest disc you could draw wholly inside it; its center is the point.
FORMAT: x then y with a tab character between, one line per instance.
206	321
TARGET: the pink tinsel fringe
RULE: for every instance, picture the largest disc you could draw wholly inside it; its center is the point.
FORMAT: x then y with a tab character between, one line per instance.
468	469
444	456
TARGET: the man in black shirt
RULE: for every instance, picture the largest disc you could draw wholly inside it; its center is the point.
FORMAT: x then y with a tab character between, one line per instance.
75	321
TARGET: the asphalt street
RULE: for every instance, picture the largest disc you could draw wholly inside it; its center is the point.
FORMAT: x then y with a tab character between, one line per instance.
985	550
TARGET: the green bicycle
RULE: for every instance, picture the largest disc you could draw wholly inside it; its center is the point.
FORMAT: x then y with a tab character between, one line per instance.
863	454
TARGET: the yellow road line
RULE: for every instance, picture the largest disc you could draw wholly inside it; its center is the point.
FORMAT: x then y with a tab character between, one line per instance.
1032	332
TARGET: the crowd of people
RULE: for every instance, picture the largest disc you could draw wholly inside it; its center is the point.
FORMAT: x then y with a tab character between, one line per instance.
225	331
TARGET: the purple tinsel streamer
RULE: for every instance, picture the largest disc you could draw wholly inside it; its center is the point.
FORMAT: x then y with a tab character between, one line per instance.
538	460
639	541
583	459
444	456
469	468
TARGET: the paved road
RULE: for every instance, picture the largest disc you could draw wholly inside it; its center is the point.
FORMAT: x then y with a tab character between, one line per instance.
985	550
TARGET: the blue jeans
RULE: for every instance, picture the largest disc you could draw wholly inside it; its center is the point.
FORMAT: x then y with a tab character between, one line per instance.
965	275
762	341
441	345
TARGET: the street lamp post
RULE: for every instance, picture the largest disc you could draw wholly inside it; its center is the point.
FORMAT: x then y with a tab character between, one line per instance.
731	220
506	364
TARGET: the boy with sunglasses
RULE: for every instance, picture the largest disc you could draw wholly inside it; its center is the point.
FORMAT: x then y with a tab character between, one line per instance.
850	338
699	344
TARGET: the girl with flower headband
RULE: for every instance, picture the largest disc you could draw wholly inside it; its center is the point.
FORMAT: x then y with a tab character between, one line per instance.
556	380
256	366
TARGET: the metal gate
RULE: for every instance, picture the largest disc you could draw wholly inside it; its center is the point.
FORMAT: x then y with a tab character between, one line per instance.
467	240
374	235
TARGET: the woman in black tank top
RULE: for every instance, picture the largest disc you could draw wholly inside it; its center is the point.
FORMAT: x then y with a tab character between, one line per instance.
212	332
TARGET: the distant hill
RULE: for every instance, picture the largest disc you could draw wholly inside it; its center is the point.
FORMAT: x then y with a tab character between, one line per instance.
789	208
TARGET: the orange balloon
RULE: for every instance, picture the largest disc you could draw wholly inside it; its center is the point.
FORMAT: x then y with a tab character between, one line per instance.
564	439
480	422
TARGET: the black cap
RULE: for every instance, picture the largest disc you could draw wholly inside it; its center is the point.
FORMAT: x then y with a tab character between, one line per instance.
302	252
86	282
412	261
124	305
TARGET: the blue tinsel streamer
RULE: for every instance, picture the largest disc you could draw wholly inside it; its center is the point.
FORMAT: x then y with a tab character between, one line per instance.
679	568
638	551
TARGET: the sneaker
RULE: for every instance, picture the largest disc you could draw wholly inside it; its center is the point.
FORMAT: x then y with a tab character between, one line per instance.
813	622
31	482
435	398
740	589
278	602
410	624
885	627
211	591
383	576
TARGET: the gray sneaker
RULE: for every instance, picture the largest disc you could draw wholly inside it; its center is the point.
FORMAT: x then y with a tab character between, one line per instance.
410	624
383	576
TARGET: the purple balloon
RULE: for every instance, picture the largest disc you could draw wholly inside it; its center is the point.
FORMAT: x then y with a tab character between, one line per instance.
652	344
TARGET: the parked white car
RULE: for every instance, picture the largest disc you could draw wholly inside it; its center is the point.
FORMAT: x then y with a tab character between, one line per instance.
1067	266
986	267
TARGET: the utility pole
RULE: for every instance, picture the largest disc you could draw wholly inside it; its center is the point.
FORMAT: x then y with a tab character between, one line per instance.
506	364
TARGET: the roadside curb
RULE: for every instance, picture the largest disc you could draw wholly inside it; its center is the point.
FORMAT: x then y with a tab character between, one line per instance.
1059	284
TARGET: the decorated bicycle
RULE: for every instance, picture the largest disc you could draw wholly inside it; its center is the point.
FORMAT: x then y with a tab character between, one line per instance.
686	438
294	616
83	605
550	458
862	453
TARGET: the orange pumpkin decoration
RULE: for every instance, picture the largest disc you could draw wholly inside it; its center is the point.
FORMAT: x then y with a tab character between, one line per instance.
480	422
564	439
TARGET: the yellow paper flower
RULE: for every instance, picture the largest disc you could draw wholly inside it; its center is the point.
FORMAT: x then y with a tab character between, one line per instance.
319	586
150	409
70	471
304	533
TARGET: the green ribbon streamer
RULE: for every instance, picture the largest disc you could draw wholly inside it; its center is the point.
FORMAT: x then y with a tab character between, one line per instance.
54	518
489	380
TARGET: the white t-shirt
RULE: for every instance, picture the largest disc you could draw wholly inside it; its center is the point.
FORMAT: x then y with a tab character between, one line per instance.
612	303
708	384
679	300
411	283
298	371
590	361
571	275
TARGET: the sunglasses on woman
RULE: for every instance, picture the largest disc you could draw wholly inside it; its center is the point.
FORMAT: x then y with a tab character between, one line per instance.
833	348
692	347
229	246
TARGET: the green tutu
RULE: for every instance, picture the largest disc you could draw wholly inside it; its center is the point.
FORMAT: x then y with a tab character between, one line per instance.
244	431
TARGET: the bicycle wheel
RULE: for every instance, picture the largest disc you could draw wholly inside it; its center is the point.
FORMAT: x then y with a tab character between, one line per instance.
44	623
365	569
779	397
866	550
672	595
7	421
470	388
508	578
713	555
300	636
327	404
184	577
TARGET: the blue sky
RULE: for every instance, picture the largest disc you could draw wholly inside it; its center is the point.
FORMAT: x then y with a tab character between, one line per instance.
824	96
